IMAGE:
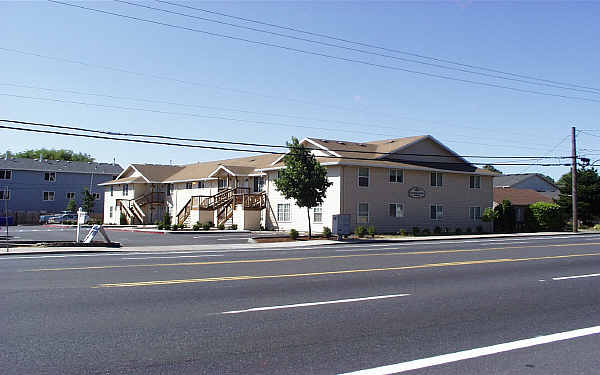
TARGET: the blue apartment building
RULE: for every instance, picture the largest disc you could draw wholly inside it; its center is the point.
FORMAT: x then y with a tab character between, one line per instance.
34	187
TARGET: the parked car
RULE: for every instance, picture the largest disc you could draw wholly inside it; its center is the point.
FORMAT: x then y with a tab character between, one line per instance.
61	218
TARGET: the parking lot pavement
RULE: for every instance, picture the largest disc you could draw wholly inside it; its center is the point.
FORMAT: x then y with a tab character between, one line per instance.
48	233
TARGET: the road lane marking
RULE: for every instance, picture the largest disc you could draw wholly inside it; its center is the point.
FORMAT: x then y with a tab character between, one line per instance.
478	352
314	303
178	256
295	259
575	277
341	272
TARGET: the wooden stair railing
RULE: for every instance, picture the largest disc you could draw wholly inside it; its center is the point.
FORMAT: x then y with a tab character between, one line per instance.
184	213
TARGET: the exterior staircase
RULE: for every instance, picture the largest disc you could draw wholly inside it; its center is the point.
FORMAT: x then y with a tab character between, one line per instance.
134	208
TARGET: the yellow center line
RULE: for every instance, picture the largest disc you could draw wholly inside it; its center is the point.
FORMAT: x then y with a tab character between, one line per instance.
306	258
341	272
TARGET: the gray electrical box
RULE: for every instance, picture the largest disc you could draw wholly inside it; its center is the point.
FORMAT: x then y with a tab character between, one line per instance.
341	225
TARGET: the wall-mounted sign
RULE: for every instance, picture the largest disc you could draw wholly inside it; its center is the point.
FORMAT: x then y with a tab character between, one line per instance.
416	192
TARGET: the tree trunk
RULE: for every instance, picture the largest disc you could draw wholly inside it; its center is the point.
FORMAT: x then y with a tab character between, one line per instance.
309	230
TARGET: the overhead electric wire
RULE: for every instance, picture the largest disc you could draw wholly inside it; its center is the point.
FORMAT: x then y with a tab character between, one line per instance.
552	150
338	58
111	133
376	46
358	49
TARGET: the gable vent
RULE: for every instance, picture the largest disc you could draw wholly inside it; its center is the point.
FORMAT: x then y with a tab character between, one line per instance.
342	143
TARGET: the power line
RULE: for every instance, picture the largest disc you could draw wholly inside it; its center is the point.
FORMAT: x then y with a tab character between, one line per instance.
338	58
107	132
241	150
195	115
376	46
549	152
359	50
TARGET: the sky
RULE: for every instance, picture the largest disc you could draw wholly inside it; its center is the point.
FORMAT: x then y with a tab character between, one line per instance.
116	74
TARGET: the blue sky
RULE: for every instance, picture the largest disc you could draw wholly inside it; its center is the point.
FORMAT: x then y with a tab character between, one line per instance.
296	93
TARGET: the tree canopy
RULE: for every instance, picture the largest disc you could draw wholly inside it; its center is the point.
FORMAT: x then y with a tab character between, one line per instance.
491	168
588	194
303	179
53	154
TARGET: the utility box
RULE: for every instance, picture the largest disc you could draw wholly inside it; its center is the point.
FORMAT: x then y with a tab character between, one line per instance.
341	225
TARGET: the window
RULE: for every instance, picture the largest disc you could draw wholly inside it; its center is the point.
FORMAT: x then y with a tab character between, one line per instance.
50	176
437	211
278	174
363	177
4	195
222	183
126	190
475	182
396	210
70	196
259	184
318	214
283	212
475	213
436	179
110	213
48	195
169	189
363	213
201	185
96	196
396	175
189	185
112	190
5	175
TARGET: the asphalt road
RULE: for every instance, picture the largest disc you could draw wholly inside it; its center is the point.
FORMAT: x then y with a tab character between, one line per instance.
126	238
503	306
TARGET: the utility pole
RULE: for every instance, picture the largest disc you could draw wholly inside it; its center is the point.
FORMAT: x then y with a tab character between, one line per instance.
6	192
574	180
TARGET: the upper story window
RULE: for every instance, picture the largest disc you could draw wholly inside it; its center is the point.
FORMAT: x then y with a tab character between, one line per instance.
437	179
318	214
48	195
126	190
112	190
5	175
50	176
201	184
4	195
436	211
475	182
259	184
169	189
363	177
189	185
396	175
222	183
70	195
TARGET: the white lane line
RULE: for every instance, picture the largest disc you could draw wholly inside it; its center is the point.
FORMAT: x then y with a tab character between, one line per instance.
474	353
314	303
575	277
179	256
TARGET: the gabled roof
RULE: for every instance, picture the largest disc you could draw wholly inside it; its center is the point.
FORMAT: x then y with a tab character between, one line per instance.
509	180
156	172
23	164
239	166
126	180
372	150
519	197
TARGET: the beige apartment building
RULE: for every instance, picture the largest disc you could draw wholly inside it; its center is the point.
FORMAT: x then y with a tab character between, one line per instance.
391	184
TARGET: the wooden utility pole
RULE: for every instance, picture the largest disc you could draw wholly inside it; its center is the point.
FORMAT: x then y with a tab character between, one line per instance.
574	180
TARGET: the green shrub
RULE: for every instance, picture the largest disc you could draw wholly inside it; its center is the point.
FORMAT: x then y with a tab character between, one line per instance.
479	229
360	231
197	226
437	230
175	227
458	231
234	226
123	219
210	224
547	216
326	232
426	232
403	232
371	231
206	226
294	234
416	231
469	230
221	226
181	226
597	227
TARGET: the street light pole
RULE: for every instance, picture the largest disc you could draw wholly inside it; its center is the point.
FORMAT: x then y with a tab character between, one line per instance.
574	179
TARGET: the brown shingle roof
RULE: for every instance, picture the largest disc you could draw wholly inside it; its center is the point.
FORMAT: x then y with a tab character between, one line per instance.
126	180
352	149
157	172
244	166
519	197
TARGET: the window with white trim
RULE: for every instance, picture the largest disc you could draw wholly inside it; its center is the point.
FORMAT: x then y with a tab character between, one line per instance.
5	175
110	214
363	213
475	213
436	211
4	195
49	195
396	175
363	177
169	189
70	195
437	179
283	212
259	184
201	185
50	176
396	210
318	214
125	190
112	190
223	182
475	182
189	185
